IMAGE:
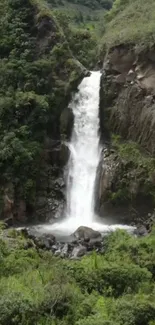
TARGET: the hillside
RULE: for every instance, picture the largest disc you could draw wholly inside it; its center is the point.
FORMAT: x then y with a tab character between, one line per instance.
83	14
130	22
37	74
97	4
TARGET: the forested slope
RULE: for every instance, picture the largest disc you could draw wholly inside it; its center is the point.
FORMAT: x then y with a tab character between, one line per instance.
37	74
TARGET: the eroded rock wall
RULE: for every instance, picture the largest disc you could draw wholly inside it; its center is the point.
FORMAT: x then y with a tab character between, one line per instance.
128	95
127	115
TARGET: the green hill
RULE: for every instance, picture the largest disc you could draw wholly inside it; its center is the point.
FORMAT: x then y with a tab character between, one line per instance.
83	13
130	21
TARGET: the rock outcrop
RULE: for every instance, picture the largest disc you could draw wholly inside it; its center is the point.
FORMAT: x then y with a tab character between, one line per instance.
127	115
127	95
87	234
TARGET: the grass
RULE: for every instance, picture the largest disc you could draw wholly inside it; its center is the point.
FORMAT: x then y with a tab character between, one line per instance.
131	23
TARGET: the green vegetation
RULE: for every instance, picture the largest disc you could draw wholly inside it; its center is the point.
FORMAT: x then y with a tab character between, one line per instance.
136	167
131	152
116	287
88	14
97	4
40	47
82	42
130	21
37	74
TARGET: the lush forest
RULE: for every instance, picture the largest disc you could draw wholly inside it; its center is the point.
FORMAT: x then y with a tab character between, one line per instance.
97	4
41	58
37	73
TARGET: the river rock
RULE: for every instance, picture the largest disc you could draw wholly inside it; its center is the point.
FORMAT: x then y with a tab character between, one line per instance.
141	231
95	241
64	251
43	241
78	251
87	234
8	222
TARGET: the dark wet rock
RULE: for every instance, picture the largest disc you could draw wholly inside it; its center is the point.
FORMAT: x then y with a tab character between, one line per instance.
141	231
79	251
43	241
95	241
64	251
86	233
57	252
8	222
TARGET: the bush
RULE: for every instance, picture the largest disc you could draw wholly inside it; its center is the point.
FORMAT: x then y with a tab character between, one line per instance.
138	310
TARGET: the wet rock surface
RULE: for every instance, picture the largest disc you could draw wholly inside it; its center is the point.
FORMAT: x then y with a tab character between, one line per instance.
125	188
86	233
75	247
127	95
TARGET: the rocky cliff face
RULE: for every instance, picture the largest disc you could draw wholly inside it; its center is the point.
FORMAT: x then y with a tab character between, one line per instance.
128	94
127	113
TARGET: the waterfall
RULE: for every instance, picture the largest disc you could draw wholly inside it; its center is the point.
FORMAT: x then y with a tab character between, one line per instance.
85	152
83	162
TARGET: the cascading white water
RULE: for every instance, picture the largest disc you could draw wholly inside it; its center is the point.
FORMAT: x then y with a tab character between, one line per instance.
85	152
83	162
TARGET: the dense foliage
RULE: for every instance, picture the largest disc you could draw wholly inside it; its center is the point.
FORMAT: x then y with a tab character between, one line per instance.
82	14
82	42
116	287
97	4
37	73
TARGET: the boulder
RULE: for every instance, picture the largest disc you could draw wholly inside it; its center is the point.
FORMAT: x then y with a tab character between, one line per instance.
8	221
78	251
64	251
86	233
43	241
141	231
